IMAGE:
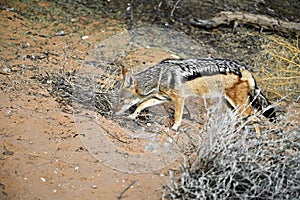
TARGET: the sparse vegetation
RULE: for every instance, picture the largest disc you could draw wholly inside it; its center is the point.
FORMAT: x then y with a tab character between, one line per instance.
280	68
232	163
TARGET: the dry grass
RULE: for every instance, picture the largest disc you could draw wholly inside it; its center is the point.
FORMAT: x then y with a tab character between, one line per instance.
280	69
232	163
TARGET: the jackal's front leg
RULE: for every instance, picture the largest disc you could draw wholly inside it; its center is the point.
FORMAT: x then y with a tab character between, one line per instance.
179	103
145	104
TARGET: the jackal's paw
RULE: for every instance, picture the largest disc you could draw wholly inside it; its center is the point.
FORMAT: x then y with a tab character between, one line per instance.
175	127
132	116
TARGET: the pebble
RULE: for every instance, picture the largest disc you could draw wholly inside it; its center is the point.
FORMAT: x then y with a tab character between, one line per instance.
60	33
84	37
8	113
6	70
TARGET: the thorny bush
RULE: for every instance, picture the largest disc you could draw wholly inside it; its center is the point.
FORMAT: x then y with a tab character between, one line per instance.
233	163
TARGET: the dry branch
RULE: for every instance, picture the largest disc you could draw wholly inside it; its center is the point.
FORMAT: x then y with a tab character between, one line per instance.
259	21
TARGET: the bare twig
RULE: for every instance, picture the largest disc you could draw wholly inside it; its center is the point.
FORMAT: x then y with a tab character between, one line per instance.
127	188
176	4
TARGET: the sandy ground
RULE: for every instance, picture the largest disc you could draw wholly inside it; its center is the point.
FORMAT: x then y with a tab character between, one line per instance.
41	155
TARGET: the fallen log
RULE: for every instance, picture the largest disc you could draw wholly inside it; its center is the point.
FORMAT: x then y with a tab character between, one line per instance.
258	21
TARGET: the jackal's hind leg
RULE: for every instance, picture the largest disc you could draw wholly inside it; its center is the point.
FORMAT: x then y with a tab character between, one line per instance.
145	104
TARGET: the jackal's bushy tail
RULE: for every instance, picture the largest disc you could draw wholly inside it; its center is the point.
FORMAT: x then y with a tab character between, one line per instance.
261	103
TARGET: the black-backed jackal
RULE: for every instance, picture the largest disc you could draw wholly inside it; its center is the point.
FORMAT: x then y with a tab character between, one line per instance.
175	80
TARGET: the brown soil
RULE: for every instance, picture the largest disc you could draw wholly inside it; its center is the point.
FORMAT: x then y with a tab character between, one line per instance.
43	158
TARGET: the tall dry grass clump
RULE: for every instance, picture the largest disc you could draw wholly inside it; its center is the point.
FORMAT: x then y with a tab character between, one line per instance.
279	71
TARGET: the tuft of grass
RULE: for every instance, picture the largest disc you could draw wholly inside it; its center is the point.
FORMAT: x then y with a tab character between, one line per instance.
280	70
91	90
232	163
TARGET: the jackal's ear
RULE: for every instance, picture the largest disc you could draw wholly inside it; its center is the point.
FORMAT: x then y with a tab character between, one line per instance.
130	81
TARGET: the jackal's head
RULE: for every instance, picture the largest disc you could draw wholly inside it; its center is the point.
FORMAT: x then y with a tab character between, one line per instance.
129	94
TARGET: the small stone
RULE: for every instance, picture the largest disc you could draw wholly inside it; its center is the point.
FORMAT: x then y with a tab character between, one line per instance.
10	9
60	33
8	152
84	37
77	168
6	70
8	113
